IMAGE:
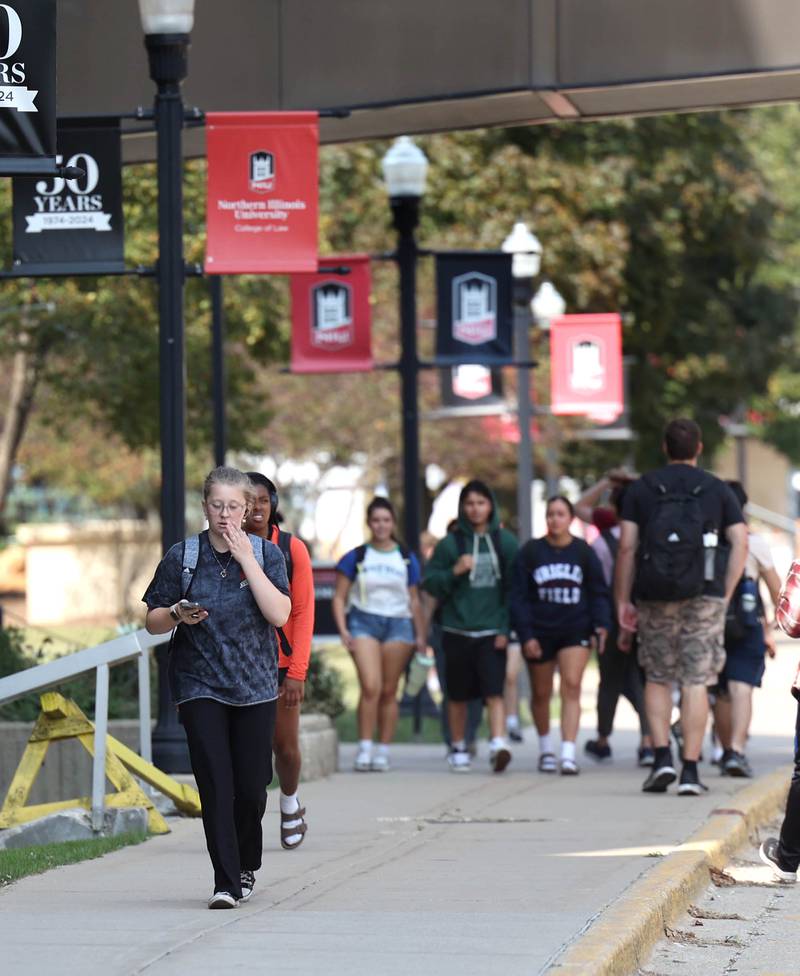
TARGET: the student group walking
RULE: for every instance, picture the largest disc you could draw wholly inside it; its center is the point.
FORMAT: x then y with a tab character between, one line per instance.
667	597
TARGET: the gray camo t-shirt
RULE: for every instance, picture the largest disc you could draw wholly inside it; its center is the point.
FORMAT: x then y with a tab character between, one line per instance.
232	656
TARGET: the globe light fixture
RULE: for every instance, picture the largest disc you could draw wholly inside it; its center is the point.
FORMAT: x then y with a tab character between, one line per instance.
547	304
526	250
167	16
405	169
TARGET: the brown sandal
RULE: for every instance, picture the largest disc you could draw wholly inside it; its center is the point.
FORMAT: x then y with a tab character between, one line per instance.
300	828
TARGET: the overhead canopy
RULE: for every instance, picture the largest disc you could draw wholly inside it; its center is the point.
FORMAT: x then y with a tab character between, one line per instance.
430	65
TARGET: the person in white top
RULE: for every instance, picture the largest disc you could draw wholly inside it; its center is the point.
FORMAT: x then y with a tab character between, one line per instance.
384	622
747	640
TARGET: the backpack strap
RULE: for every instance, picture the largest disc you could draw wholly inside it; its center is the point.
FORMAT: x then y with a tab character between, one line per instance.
285	546
259	551
497	542
405	553
361	555
191	553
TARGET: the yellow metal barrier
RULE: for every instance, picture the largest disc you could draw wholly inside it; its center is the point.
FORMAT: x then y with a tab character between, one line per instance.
62	719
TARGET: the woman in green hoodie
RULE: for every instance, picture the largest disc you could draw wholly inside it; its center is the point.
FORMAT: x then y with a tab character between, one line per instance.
469	574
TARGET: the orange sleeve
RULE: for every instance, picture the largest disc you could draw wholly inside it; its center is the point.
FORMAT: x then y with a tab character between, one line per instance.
300	626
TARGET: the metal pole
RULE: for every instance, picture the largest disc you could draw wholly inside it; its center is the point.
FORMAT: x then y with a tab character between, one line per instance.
168	67
100	732
218	369
405	212
523	293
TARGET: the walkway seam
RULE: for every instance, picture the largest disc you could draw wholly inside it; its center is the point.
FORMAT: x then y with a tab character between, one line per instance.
622	936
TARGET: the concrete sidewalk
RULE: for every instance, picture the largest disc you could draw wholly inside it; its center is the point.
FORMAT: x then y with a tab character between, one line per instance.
416	870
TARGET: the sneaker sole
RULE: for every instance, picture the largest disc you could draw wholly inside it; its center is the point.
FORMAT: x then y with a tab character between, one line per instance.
663	778
246	897
500	760
460	769
786	876
690	789
216	905
736	772
567	771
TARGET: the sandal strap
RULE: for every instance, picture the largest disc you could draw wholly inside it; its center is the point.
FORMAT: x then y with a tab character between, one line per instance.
298	814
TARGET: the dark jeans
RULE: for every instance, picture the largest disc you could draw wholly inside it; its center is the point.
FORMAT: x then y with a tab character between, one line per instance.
789	849
231	751
620	674
474	708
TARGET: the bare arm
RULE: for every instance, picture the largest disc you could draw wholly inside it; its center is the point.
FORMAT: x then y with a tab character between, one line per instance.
420	619
160	620
737	539
773	581
623	575
586	504
275	606
338	603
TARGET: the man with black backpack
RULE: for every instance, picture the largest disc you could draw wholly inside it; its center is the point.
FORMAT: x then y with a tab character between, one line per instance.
684	539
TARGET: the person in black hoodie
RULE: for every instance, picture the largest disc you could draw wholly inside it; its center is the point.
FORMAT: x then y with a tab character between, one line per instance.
560	609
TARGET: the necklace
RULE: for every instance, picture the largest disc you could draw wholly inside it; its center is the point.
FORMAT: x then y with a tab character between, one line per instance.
223	570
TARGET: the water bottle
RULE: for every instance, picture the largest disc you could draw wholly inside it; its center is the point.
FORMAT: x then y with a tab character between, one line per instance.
710	541
748	601
417	674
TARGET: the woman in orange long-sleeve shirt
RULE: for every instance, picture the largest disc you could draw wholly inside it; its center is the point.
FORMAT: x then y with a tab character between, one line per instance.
262	521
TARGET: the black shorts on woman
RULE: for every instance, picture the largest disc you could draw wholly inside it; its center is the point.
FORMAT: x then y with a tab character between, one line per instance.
551	646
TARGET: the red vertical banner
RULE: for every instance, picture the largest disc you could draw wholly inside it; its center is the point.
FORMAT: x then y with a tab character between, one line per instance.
331	320
263	208
586	366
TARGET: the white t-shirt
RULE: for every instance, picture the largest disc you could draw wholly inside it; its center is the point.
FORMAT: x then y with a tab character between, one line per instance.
380	583
759	557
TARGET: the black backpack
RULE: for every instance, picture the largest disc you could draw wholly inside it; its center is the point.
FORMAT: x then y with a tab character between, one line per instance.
285	546
671	556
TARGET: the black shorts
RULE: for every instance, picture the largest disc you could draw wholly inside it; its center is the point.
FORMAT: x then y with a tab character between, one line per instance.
474	668
552	645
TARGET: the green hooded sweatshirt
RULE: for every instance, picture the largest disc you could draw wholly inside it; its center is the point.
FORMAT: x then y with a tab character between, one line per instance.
474	602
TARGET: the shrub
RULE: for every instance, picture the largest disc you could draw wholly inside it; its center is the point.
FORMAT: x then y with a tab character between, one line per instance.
324	689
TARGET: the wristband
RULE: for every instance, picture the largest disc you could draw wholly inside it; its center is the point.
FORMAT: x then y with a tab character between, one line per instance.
174	614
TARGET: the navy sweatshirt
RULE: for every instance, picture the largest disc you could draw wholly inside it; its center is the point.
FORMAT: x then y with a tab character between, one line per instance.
558	591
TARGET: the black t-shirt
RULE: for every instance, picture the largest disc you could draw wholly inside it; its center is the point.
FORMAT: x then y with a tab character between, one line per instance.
718	504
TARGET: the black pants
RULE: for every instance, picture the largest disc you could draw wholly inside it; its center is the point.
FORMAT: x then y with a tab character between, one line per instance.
789	850
231	752
620	674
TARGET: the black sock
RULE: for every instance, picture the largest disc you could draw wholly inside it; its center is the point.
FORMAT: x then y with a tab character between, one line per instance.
663	756
690	766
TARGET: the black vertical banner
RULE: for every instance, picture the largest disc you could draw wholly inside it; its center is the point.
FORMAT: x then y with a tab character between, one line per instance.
474	312
28	78
63	226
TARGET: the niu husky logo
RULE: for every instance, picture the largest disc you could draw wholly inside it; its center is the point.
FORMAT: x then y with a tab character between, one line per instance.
588	372
262	171
474	308
332	317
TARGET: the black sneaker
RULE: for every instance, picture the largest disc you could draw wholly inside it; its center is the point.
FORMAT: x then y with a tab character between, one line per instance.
769	854
690	784
248	882
515	734
723	762
596	751
646	756
659	779
736	764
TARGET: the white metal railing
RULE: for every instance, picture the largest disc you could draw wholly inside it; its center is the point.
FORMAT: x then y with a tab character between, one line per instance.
131	646
775	519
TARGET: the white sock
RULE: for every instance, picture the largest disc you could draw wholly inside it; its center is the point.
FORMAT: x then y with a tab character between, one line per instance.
498	742
289	804
383	749
365	745
545	744
460	746
568	750
512	722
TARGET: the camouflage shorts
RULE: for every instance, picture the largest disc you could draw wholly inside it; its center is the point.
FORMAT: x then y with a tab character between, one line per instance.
682	641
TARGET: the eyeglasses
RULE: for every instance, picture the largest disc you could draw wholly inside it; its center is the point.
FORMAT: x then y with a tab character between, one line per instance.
233	508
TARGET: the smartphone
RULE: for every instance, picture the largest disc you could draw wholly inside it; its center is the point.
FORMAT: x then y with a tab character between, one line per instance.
195	608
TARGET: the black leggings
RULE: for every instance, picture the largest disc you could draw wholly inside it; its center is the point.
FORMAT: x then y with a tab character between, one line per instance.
789	850
231	752
620	674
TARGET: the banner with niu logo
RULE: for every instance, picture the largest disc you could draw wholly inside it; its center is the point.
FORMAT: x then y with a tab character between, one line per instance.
28	78
62	224
586	375
331	321
262	192
474	314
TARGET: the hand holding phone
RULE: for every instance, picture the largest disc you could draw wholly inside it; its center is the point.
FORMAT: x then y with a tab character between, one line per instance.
193	609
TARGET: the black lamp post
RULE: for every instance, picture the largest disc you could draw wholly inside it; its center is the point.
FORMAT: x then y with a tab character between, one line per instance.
404	169
167	25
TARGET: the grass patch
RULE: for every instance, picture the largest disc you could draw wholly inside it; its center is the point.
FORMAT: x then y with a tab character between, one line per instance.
23	861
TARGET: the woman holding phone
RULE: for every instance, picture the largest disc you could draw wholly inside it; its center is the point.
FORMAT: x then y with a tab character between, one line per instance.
223	671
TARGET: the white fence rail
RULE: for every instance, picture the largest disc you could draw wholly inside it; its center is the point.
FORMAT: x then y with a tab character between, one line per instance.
134	646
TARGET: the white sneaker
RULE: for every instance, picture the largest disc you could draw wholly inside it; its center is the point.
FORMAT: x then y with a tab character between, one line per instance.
380	763
222	899
363	763
459	760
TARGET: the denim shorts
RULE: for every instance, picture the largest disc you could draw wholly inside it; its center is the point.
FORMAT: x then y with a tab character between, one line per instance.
385	630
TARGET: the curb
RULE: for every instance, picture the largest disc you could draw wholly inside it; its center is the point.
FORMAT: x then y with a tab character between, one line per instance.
623	935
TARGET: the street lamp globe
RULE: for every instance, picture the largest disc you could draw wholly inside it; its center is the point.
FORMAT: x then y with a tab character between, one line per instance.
167	16
547	304
527	251
405	168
